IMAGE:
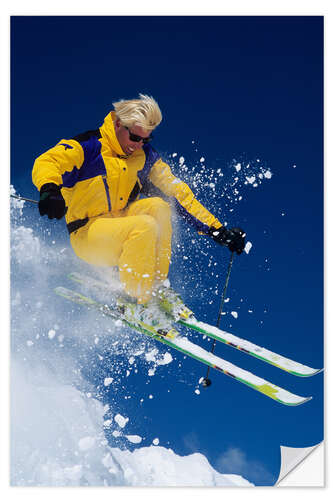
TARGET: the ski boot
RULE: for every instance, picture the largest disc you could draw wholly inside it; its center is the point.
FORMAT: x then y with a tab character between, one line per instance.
146	315
171	303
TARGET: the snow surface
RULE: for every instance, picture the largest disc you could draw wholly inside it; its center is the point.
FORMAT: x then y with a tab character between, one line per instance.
58	423
58	440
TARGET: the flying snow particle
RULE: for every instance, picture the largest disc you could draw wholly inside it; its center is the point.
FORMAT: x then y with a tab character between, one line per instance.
51	334
156	441
197	391
234	314
121	421
108	381
150	356
238	167
134	438
268	174
166	283
248	247
167	358
176	181
181	160
251	179
202	159
138	353
174	155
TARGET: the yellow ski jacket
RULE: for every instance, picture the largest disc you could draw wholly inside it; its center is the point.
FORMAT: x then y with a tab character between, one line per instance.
96	178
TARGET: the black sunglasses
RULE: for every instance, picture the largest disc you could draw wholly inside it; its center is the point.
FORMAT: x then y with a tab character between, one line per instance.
138	138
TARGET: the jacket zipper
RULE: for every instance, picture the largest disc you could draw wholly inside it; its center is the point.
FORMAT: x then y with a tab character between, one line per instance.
107	191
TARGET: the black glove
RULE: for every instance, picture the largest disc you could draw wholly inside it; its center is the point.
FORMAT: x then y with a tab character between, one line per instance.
51	202
233	238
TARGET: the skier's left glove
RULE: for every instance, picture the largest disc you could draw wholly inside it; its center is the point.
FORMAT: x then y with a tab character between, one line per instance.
51	201
233	238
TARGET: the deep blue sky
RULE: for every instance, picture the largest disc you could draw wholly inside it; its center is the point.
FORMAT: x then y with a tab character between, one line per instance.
242	88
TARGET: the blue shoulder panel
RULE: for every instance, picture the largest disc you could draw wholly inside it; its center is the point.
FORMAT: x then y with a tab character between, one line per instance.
151	157
92	166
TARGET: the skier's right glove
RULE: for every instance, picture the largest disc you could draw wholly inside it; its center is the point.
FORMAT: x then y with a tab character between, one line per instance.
233	238
51	202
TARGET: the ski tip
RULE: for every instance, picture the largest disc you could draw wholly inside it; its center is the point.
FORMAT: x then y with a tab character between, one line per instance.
310	373
301	401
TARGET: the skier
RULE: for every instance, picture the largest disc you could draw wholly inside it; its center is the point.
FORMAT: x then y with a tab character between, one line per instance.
95	179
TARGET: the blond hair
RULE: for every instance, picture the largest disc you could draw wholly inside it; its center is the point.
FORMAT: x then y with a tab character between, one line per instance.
143	112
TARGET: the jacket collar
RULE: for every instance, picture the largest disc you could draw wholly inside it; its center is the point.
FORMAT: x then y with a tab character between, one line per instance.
108	132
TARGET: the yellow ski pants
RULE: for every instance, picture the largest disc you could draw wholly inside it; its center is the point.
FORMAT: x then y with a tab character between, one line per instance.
138	241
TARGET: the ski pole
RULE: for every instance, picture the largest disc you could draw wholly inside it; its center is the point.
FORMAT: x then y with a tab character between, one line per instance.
206	381
23	199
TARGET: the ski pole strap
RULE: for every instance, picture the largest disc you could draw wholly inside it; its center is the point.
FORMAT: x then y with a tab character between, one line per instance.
76	224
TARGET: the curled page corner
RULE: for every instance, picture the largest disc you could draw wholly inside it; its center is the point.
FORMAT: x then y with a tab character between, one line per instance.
299	469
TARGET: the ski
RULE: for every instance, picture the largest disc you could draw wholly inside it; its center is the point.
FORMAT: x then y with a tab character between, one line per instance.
277	360
182	344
